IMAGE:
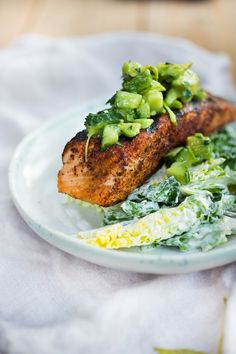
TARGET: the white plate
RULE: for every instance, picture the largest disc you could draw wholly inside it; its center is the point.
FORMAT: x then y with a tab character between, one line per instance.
32	178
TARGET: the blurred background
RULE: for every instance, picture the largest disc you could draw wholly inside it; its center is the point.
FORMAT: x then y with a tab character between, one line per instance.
209	23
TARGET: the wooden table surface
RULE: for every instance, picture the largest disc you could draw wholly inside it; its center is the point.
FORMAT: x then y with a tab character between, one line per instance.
209	23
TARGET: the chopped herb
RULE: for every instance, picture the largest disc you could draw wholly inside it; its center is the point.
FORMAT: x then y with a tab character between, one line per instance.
97	122
139	83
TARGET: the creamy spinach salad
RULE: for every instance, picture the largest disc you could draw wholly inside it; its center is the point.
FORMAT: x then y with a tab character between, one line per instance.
186	204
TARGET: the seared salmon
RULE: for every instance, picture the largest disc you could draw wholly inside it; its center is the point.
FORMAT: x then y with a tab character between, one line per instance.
108	177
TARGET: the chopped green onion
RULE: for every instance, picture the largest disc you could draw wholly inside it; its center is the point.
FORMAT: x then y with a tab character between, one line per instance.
130	129
171	114
155	100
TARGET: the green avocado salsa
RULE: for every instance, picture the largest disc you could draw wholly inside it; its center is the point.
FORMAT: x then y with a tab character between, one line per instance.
146	92
198	149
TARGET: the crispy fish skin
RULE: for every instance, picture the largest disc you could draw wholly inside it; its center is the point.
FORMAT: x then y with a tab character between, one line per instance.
110	176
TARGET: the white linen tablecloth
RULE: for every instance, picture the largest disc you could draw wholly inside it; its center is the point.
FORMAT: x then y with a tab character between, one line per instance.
51	302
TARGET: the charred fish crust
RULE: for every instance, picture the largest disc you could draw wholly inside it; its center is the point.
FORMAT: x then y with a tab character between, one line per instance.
110	176
154	125
192	106
80	136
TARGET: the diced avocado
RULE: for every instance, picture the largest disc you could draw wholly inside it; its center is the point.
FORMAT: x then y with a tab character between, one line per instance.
94	130
189	80
128	115
130	68
181	154
155	100
157	85
187	156
127	100
110	136
143	110
180	171
169	72
153	70
172	155
171	96
201	146
176	104
200	94
145	123
130	129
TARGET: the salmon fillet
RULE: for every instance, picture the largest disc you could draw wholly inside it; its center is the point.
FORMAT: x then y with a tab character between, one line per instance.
110	176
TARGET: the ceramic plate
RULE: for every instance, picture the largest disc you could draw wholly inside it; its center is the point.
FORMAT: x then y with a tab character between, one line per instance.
32	178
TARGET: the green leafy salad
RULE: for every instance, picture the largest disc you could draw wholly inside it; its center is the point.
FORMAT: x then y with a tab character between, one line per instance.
146	92
186	204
